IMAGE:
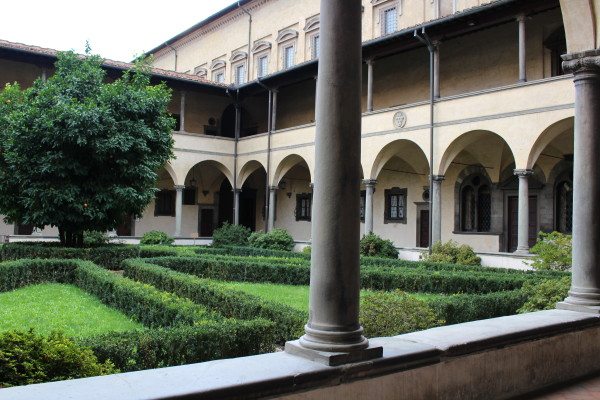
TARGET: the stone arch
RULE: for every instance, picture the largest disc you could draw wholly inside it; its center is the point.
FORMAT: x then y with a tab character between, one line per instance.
248	169
581	19
286	34
547	136
211	163
405	149
238	56
261	45
169	168
217	64
289	162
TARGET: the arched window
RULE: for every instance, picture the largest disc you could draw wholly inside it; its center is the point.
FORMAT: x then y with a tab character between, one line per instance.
475	204
563	193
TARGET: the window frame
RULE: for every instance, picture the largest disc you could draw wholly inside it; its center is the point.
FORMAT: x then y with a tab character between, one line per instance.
284	48
401	193
235	71
219	72
164	207
259	58
298	210
383	19
314	45
468	183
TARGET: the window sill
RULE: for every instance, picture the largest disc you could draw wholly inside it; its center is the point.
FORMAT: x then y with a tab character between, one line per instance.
394	221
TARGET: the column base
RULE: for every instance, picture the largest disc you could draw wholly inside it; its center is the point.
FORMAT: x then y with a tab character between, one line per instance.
564	305
333	359
522	252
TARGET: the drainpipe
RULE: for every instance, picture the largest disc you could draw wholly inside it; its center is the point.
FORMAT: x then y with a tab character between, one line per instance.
176	54
424	38
269	132
249	40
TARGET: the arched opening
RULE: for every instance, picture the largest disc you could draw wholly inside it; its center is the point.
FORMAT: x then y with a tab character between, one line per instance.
160	213
556	43
248	126
253	179
476	201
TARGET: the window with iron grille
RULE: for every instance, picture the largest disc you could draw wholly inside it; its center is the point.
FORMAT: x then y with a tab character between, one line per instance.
303	206
164	203
475	204
219	76
395	205
262	66
314	46
240	74
390	21
288	57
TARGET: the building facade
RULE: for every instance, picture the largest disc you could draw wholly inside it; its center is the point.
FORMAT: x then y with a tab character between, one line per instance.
488	162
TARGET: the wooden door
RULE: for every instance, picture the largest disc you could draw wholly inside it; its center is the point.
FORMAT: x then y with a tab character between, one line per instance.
424	228
206	222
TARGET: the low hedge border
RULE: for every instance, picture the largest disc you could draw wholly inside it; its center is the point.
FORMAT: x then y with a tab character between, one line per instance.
250	251
289	323
376	278
169	317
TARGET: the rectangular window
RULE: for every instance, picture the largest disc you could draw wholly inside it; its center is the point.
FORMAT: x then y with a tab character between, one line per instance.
189	196
219	77
395	205
240	74
263	66
303	206
314	53
164	203
288	57
390	21
363	195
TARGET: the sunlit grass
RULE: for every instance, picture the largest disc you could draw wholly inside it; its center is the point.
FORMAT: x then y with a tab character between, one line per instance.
67	308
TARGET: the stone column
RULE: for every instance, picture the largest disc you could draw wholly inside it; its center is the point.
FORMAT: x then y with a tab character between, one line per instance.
333	334
236	206
178	208
369	190
271	220
585	288
522	49
274	112
182	113
523	214
436	209
436	70
370	84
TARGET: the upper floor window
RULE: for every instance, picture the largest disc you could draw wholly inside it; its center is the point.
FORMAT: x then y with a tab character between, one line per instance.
240	74
390	20
303	206
262	66
475	204
314	46
219	76
288	56
395	205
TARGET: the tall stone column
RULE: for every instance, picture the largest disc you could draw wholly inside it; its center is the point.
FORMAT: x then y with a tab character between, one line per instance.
522	48
585	287
370	84
523	214
182	113
436	70
236	206
369	190
333	334
436	209
178	208
271	220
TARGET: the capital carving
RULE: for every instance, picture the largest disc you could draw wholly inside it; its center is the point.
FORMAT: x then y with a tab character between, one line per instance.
438	178
273	188
523	172
587	61
236	190
179	188
370	182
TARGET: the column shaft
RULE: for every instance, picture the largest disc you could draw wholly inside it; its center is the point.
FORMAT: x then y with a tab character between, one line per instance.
523	213
436	71
370	85
369	190
585	288
274	112
436	209
178	208
522	49
271	220
236	206
182	113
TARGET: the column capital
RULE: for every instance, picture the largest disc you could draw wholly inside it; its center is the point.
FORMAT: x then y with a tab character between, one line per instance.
273	188
179	188
523	172
236	190
521	18
438	178
370	182
369	61
311	185
586	61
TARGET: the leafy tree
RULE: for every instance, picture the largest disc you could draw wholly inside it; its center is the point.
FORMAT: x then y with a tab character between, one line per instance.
78	152
552	251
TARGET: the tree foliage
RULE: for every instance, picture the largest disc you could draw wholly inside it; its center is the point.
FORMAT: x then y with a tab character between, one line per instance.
78	152
552	252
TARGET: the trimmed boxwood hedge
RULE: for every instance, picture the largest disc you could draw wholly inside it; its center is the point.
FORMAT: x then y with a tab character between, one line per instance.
376	278
179	329
250	251
289	322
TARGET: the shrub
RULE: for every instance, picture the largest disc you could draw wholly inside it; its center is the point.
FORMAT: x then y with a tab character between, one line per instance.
26	358
247	251
552	252
95	238
452	252
156	237
373	246
277	239
227	235
307	250
544	295
393	313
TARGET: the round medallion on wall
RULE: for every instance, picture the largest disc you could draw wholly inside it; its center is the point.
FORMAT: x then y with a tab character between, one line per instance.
400	119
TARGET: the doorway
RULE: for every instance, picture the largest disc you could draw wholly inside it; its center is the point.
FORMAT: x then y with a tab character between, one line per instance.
206	222
423	228
513	222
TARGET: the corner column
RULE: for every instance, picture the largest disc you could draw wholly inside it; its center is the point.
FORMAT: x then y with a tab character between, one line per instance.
333	335
523	214
236	206
436	209
585	287
522	48
178	208
271	220
370	84
369	190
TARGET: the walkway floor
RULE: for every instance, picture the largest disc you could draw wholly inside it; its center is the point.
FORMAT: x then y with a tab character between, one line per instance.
587	389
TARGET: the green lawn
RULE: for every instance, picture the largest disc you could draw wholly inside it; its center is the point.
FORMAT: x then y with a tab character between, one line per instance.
293	296
49	307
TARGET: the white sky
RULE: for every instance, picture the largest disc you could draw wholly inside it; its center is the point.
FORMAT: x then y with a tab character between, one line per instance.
116	29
